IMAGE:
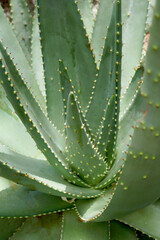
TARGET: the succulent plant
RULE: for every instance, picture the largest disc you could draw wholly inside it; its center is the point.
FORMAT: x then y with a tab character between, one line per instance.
79	121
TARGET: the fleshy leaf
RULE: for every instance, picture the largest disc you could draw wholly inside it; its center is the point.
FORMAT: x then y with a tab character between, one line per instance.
12	46
109	75
86	161
81	230
36	54
17	201
9	226
120	231
22	25
146	220
44	227
65	39
32	129
39	175
87	16
134	13
100	28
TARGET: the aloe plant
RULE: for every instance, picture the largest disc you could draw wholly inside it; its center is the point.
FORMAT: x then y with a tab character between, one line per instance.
79	121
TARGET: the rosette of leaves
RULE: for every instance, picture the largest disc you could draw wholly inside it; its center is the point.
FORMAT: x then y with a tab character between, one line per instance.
79	121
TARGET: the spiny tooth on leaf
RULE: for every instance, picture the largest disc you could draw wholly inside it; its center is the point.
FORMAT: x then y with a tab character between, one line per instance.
100	28
10	41
36	54
82	155
133	33
109	74
33	109
66	86
23	198
146	220
65	39
22	25
87	16
38	175
131	92
58	162
105	128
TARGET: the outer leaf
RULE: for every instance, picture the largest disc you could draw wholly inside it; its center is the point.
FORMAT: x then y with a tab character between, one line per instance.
45	227
134	12
135	111
150	14
83	231
109	76
11	126
36	54
17	201
146	220
31	106
22	24
41	144
10	41
131	93
9	226
65	39
100	29
87	16
142	188
119	231
39	175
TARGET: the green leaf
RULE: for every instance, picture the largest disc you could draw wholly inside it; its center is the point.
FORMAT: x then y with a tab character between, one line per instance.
143	152
9	226
120	231
133	13
91	209
46	227
146	220
100	28
131	92
39	175
36	54
109	75
12	46
81	230
31	128
11	127
17	201
85	8
81	153
150	14
48	131
143	236
102	137
66	86
65	39
22	25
